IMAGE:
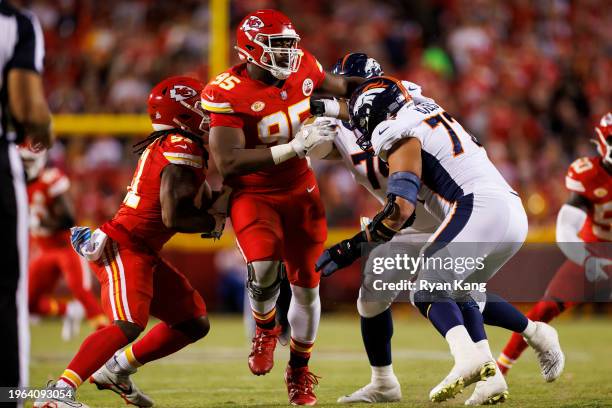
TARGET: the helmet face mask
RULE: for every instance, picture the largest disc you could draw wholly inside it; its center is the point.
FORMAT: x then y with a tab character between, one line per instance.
603	138
33	161
267	39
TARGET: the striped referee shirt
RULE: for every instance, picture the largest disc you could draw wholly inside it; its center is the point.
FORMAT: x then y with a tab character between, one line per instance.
21	46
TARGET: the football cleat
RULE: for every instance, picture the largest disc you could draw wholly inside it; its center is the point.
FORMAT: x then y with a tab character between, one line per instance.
390	391
545	342
261	359
492	391
69	401
71	323
465	372
118	381
300	386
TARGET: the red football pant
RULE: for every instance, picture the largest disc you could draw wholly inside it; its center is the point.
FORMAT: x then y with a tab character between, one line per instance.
564	291
135	285
287	225
45	271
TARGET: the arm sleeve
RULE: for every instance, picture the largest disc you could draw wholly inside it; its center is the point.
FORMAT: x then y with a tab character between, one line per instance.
569	222
29	49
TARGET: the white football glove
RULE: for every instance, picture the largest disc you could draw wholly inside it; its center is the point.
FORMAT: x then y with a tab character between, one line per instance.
594	268
311	135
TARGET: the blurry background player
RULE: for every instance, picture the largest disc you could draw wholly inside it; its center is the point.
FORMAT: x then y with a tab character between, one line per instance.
374	309
583	220
124	253
258	144
51	255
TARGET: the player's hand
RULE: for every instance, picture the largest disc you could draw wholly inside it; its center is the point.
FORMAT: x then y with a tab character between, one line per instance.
340	255
321	106
594	268
218	210
312	135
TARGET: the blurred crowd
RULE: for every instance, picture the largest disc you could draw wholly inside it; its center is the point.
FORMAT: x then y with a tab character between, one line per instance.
529	79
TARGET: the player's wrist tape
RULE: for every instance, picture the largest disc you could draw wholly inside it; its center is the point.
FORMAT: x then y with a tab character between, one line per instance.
282	153
404	184
331	107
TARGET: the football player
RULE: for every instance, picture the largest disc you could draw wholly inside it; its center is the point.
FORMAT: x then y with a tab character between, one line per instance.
258	143
461	187
124	252
581	221
51	216
376	320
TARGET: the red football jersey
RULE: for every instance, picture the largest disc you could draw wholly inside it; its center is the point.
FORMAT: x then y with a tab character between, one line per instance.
41	193
587	177
268	115
139	219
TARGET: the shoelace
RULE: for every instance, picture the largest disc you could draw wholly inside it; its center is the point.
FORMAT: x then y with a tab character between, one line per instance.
303	383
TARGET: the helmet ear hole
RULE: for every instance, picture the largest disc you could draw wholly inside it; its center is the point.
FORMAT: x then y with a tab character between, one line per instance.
249	47
164	91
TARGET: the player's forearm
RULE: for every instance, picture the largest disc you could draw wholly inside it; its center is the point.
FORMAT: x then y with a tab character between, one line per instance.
187	218
245	161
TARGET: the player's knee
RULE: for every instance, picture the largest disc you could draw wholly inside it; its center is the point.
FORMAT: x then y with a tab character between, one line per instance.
195	329
305	296
263	279
423	299
371	309
467	304
129	329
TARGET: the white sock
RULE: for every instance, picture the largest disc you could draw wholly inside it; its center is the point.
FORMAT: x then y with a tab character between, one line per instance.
382	373
304	313
126	360
530	329
459	341
483	347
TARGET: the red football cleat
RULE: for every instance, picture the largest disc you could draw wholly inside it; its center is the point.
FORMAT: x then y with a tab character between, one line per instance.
300	386
261	359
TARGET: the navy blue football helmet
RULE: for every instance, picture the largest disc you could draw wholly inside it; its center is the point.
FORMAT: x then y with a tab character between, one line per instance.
374	101
357	64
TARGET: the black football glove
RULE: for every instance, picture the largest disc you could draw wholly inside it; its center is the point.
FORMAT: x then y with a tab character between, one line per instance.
341	255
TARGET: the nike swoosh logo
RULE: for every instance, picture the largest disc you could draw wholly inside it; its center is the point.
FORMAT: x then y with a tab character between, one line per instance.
311	189
184	146
413	89
123	389
209	96
381	131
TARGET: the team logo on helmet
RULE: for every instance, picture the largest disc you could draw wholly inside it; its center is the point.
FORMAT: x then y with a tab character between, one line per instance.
182	92
372	67
252	23
307	87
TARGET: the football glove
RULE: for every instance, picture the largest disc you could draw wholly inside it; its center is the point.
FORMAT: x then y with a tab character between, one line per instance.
312	135
79	238
594	268
341	255
329	107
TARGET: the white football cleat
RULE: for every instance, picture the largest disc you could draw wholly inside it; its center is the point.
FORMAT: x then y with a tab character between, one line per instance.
389	391
493	390
477	367
119	381
545	342
71	324
66	402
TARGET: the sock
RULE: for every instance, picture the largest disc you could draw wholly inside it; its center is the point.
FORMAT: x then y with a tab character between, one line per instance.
483	347
444	314
498	312
160	341
299	353
265	320
376	333
304	315
382	374
51	307
459	341
473	320
96	349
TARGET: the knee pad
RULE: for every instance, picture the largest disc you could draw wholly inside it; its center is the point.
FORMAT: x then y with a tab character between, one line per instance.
264	279
424	298
129	329
304	296
371	309
195	329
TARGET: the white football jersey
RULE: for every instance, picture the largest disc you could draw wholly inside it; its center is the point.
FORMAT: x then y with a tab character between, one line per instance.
453	162
372	172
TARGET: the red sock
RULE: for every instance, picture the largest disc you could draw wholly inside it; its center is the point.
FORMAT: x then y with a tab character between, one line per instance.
543	311
159	342
299	353
96	349
48	306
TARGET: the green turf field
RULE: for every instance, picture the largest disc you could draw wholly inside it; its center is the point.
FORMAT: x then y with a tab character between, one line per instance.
214	372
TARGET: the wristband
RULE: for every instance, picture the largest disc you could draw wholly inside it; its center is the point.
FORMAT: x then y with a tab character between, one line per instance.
281	153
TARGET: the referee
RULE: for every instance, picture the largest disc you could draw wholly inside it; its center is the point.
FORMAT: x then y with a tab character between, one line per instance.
24	115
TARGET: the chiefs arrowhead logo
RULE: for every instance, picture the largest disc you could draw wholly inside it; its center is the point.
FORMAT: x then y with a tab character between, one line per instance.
182	92
253	23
